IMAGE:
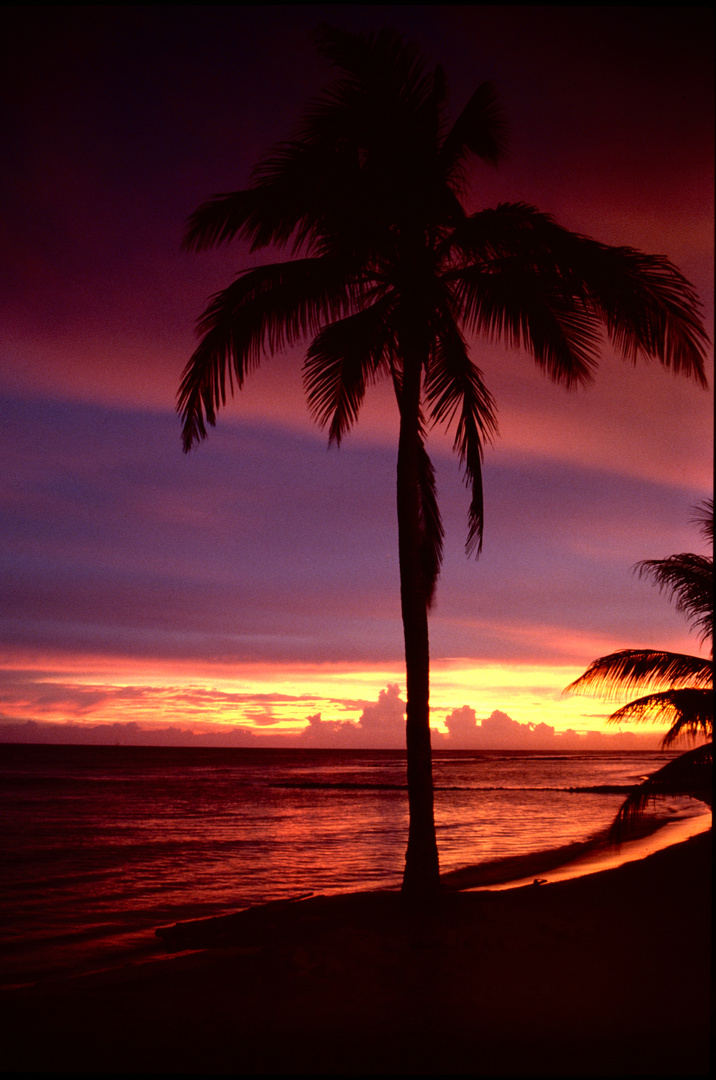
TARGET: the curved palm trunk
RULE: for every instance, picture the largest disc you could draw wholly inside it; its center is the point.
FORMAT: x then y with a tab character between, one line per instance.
421	877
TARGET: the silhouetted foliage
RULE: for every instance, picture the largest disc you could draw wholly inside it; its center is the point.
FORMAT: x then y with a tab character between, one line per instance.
681	686
389	272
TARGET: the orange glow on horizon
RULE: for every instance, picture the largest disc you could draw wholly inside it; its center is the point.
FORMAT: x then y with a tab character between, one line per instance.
271	699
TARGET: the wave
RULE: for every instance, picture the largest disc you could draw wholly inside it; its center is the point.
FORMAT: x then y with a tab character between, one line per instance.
318	785
362	785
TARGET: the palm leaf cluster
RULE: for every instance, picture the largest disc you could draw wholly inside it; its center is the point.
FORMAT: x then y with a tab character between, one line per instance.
388	268
680	686
387	276
689	774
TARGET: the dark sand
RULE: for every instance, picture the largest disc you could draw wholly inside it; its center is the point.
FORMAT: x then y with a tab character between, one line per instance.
606	975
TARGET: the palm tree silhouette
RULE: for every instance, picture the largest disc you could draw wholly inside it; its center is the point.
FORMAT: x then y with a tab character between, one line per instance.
681	686
388	273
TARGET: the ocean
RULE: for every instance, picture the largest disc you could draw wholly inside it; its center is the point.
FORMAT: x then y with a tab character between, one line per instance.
101	845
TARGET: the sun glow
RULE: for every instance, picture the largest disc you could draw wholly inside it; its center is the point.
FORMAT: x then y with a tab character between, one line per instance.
266	700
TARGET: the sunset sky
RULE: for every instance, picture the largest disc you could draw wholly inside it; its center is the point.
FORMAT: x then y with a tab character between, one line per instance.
248	592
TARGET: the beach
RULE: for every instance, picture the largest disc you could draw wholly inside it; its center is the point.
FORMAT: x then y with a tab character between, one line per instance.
102	845
603	975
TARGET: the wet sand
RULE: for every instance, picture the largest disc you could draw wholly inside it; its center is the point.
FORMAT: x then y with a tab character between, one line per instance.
603	975
578	858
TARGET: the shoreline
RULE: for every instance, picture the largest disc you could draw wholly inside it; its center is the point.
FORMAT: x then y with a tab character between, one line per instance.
571	861
580	858
576	861
598	975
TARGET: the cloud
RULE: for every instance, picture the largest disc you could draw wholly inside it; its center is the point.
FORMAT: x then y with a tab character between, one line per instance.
498	731
201	716
53	695
124	733
381	726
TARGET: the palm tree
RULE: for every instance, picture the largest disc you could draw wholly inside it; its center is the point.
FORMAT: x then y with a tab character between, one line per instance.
388	271
680	686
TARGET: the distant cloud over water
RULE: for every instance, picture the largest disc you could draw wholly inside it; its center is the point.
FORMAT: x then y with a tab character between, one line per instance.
381	726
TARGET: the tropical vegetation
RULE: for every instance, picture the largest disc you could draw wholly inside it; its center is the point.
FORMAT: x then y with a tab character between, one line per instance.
680	686
389	274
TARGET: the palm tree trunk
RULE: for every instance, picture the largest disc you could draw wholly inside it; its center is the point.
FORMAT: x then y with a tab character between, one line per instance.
421	877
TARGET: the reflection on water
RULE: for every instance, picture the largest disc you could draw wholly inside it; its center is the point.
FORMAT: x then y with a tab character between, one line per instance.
691	822
103	844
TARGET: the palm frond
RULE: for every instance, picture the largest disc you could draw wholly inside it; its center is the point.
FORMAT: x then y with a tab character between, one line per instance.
689	774
431	527
286	195
219	219
510	288
649	310
315	188
508	302
381	63
300	191
260	312
387	113
480	129
455	390
690	581
642	669
704	519
688	711
342	360
311	189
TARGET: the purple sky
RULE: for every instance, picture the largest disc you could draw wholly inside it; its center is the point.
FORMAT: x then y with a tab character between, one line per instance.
251	587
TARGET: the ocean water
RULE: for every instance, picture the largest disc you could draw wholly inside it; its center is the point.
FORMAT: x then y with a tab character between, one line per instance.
101	845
